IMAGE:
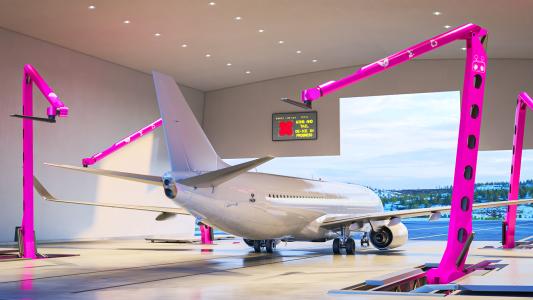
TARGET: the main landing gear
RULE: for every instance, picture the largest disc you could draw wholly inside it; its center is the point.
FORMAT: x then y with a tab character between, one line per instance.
268	245
344	242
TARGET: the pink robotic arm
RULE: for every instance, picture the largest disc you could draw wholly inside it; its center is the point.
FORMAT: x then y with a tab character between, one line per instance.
57	108
522	103
464	32
123	142
460	235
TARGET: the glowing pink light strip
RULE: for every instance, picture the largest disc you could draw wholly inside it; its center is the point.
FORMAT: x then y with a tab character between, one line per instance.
452	263
123	142
523	102
56	108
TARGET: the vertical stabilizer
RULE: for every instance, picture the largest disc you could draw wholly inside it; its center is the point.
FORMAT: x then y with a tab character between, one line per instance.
188	146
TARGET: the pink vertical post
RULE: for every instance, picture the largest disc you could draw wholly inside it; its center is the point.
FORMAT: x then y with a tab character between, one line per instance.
56	108
523	102
452	263
206	234
27	228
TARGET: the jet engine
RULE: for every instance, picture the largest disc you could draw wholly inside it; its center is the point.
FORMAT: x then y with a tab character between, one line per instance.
169	184
389	237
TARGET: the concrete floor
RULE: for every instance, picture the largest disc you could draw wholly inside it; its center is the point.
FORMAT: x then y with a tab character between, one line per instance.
228	270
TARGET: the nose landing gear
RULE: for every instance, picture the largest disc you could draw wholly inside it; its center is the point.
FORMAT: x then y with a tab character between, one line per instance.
268	245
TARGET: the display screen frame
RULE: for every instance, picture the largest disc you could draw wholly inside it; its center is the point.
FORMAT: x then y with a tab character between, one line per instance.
315	118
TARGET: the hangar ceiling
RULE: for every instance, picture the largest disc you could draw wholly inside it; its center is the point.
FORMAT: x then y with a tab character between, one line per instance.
213	44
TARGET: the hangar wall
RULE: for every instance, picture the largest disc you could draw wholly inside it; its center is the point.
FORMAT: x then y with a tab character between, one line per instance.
238	119
107	102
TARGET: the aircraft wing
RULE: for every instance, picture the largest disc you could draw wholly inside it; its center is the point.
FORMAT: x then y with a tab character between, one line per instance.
432	212
165	212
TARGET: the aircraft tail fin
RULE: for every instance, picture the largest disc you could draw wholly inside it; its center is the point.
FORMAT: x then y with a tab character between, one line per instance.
188	146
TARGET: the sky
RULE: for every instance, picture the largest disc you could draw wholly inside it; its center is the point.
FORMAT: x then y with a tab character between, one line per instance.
403	141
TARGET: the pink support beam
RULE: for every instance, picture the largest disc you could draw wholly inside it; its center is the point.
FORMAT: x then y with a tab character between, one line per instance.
523	102
460	233
123	142
56	108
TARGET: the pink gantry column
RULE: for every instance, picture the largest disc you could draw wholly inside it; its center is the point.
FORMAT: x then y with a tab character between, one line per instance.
460	230
56	108
523	102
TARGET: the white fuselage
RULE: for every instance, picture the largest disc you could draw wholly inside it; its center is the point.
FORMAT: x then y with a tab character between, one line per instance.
264	206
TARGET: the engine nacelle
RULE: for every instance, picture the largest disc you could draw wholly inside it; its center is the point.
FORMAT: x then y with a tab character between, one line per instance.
389	237
169	185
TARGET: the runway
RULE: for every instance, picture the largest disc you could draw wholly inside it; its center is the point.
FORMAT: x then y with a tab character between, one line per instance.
485	230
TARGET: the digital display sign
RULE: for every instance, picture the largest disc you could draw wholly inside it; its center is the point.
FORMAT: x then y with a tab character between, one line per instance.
294	126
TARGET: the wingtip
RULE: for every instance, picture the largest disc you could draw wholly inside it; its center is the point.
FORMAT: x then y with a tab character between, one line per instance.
42	190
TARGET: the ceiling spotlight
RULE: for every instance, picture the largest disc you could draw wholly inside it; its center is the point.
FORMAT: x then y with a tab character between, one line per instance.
299	51
315	60
281	42
157	34
437	13
208	55
447	26
126	21
261	30
237	18
228	64
464	48
212	3
92	7
183	45
248	72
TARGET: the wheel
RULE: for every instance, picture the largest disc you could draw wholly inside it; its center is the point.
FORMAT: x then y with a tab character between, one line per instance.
257	246
337	246
270	245
350	246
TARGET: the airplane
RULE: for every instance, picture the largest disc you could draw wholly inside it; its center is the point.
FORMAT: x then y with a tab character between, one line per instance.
263	209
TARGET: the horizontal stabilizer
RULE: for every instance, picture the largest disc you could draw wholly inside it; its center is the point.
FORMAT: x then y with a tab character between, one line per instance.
214	178
165	212
148	179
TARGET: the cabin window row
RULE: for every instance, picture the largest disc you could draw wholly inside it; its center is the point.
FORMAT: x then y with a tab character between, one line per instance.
293	196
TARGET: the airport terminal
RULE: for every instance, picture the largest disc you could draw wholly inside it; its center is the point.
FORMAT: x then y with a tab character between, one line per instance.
236	149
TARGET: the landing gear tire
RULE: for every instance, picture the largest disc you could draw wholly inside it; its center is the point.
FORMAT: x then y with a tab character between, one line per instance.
350	246
337	246
249	242
257	246
270	245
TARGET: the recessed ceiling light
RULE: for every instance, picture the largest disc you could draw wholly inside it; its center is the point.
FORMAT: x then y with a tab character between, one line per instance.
447	26
464	48
228	64
261	30
315	60
212	3
299	51
248	72
281	42
237	18
208	55
91	7
437	13
126	21
157	34
183	45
